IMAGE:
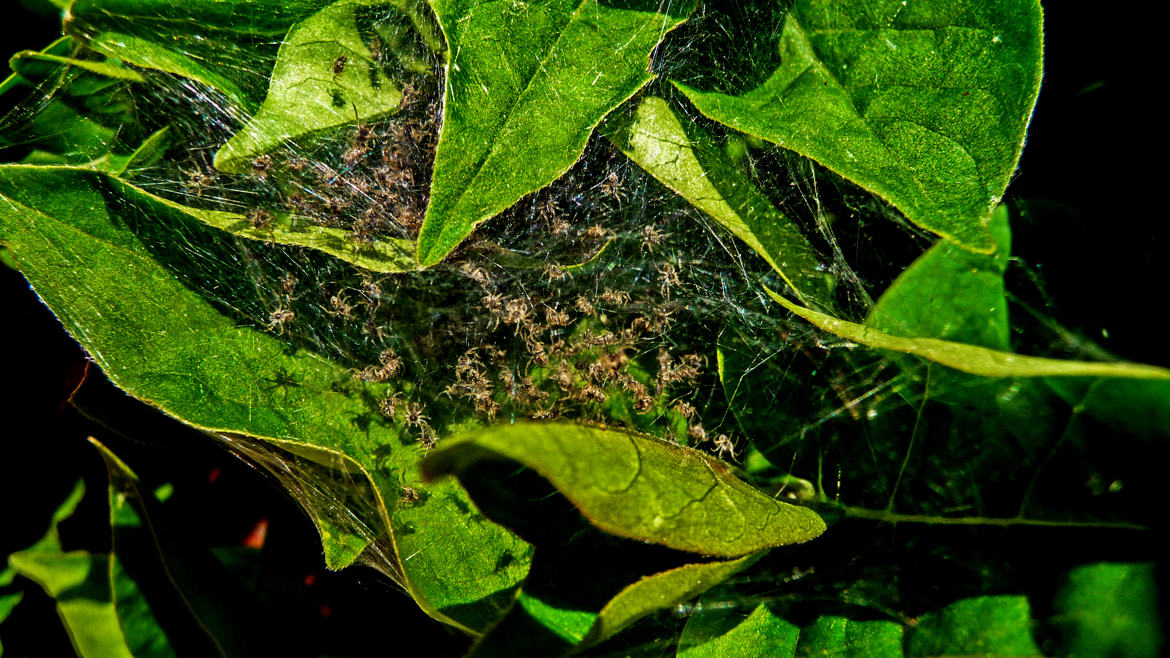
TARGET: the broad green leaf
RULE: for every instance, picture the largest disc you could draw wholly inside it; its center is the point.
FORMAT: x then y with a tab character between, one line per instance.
661	591
1110	609
385	255
80	584
984	626
81	245
719	629
308	93
849	638
924	104
684	158
951	294
972	359
526	85
728	632
218	43
639	487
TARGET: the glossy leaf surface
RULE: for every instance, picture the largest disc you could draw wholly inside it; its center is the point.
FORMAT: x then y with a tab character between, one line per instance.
640	487
325	76
526	85
924	104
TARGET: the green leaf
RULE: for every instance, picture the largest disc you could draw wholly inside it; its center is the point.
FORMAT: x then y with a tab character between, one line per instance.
683	157
80	584
639	487
147	54
840	636
972	359
951	294
83	245
307	93
984	626
1109	609
109	69
526	85
386	255
661	591
728	632
218	43
165	573
924	104
719	629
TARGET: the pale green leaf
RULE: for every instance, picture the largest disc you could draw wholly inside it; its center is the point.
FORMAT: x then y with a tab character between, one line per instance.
684	158
80	584
972	359
325	76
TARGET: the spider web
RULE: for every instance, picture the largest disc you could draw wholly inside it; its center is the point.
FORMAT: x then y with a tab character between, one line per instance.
602	297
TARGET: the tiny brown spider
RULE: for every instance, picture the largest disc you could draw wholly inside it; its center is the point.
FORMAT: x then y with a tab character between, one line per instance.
259	217
725	446
279	318
414	416
670	278
262	165
339	65
651	237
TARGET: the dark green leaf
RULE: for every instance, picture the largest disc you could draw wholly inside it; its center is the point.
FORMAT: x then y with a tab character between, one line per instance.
109	69
639	487
839	636
325	76
80	584
972	358
924	104
661	591
526	85
951	294
983	626
728	632
75	235
684	158
1110	609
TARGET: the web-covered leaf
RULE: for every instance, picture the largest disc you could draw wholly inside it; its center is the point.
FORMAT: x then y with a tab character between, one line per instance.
924	104
678	152
233	41
143	325
526	85
325	75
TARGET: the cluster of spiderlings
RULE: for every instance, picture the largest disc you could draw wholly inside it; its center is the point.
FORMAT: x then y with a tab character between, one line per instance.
598	298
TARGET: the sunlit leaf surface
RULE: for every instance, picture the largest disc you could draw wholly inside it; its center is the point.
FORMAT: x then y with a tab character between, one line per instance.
640	487
924	104
526	85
